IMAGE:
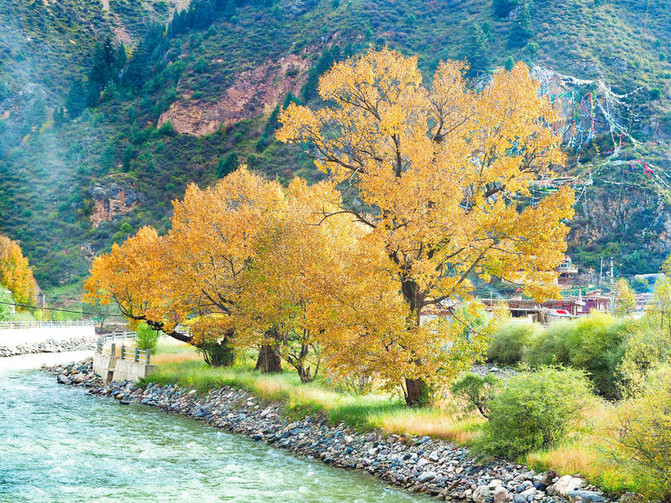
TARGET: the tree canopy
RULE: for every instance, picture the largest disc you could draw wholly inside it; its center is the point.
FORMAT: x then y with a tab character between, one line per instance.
429	188
15	272
441	172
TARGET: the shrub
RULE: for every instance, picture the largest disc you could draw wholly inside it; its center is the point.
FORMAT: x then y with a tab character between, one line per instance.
534	410
510	340
643	435
219	353
644	351
146	337
594	344
476	391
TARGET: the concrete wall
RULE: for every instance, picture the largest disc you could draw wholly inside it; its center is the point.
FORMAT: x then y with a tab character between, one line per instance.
111	368
104	366
129	370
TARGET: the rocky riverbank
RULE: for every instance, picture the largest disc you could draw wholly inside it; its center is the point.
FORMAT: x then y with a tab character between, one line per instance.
49	346
418	464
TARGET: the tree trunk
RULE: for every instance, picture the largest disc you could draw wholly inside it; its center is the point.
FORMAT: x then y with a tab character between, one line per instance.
269	359
416	393
416	390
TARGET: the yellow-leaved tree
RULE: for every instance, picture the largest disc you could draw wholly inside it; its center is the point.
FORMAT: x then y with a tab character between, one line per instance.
15	272
442	175
213	240
195	270
315	284
136	277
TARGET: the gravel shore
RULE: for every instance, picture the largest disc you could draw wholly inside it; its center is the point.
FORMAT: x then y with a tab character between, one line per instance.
49	346
418	464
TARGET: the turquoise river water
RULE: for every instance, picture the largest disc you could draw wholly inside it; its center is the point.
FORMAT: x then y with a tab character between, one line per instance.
58	444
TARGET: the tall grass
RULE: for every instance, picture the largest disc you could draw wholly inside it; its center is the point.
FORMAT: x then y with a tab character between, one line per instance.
373	411
587	450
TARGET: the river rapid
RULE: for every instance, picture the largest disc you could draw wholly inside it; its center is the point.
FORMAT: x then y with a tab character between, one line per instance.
58	444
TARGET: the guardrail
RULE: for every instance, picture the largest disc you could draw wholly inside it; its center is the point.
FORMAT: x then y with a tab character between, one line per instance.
103	340
47	324
135	354
130	363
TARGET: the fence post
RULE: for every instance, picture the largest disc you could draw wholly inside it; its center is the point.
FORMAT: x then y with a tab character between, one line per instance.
113	349
147	357
123	352
137	355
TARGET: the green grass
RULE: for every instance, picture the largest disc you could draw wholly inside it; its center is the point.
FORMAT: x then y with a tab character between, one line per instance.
364	413
584	452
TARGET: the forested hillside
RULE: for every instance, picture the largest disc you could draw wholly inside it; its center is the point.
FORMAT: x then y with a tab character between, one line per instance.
109	109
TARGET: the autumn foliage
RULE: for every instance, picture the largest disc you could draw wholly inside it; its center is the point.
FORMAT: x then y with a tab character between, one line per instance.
428	187
15	272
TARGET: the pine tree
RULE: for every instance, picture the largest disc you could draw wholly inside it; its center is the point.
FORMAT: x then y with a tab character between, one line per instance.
75	103
478	51
521	30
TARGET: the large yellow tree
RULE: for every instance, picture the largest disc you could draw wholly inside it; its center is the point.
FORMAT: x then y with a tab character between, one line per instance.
442	174
136	276
15	272
195	270
314	283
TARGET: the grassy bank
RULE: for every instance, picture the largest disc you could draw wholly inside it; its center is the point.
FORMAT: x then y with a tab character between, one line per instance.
184	367
587	451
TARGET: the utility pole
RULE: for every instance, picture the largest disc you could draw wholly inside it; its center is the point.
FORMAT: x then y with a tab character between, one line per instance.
43	305
601	272
612	288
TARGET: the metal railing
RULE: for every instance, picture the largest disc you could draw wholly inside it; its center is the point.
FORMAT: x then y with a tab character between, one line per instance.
105	339
107	346
47	324
135	354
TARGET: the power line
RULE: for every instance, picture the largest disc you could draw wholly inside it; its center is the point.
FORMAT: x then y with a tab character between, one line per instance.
15	304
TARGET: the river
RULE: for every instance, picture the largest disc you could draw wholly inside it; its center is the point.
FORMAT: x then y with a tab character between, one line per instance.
58	444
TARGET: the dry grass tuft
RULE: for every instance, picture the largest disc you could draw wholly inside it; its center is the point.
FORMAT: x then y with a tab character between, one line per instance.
167	358
439	424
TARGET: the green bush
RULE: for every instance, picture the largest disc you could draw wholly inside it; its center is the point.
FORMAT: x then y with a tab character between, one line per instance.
534	410
643	435
594	343
146	337
217	353
476	391
510	340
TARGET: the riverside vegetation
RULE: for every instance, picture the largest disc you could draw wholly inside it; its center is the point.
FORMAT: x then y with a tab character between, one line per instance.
427	193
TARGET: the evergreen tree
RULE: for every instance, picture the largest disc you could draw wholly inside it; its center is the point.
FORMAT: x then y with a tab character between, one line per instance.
478	51
75	103
503	7
230	9
104	64
121	56
324	64
509	64
521	30
227	165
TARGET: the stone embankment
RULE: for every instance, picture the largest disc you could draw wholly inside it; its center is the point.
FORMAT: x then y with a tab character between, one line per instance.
49	346
418	464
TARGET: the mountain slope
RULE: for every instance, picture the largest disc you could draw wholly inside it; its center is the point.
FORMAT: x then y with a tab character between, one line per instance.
190	100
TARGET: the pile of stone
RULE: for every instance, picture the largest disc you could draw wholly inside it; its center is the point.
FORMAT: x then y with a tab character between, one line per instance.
76	374
418	464
50	346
